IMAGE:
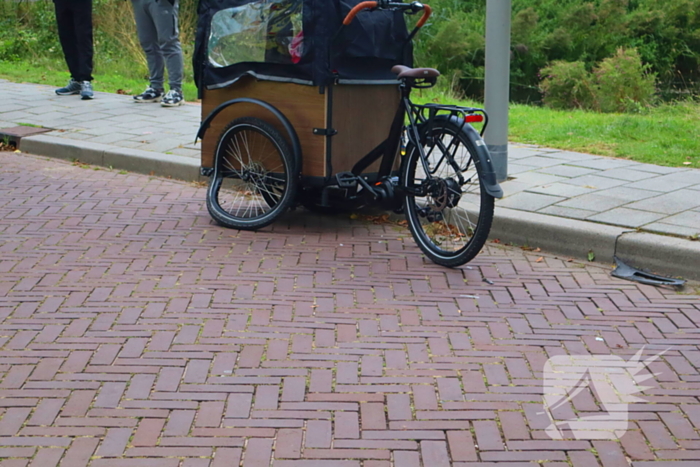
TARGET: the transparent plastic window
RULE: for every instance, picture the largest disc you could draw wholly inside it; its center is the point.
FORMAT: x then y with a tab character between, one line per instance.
268	31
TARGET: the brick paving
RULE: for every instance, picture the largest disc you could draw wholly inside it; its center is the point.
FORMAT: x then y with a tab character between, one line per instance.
136	333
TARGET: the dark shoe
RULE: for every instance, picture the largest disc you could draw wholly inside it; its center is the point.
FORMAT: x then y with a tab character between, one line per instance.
86	90
149	95
71	89
173	98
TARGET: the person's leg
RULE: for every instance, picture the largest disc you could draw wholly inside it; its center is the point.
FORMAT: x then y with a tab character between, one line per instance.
82	19
148	37
66	35
166	21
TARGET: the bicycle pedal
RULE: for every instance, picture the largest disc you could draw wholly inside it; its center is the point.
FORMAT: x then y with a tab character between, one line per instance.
346	179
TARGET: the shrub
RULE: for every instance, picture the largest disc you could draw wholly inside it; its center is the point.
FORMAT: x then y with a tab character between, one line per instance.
624	83
620	83
568	85
666	35
27	30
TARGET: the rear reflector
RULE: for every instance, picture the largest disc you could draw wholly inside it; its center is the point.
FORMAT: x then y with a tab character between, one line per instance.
474	118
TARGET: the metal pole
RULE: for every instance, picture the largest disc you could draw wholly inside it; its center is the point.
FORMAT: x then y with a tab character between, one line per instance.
497	82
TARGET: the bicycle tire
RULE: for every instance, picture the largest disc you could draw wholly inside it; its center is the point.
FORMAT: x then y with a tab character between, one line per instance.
431	219
254	173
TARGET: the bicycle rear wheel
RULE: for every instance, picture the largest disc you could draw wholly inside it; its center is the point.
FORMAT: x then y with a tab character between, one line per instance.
452	218
255	176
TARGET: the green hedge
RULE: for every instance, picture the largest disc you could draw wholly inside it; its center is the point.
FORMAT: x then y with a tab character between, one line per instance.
665	33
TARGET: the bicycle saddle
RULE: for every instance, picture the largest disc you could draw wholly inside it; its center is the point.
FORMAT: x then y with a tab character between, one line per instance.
407	72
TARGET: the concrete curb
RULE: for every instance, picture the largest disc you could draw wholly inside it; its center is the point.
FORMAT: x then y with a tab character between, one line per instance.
670	256
661	254
558	235
133	160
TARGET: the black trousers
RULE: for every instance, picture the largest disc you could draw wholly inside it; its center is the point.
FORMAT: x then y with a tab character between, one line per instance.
74	18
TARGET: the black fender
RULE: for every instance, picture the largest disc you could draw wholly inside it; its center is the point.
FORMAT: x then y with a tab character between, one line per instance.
293	137
483	159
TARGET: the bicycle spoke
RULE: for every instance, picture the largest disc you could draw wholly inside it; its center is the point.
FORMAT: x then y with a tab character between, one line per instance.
253	175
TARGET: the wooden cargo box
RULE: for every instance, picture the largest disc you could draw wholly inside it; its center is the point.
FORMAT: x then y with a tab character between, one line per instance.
362	115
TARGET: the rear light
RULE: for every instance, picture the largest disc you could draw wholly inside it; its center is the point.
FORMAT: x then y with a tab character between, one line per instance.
474	118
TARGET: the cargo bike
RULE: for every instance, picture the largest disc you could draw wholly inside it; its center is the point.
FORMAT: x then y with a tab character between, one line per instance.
307	102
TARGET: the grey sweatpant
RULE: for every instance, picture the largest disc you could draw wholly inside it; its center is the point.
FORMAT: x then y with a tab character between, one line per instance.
157	27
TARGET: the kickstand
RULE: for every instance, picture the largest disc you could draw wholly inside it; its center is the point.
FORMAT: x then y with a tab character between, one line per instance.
624	271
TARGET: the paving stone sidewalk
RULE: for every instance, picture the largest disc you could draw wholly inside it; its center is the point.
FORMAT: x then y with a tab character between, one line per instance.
136	333
546	181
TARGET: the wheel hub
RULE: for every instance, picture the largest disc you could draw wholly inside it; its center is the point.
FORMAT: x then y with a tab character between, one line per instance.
445	193
253	173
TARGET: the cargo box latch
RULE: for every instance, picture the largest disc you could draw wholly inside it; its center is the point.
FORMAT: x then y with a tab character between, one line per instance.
325	131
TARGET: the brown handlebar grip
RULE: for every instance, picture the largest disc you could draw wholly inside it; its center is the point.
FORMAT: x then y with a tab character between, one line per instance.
427	11
359	7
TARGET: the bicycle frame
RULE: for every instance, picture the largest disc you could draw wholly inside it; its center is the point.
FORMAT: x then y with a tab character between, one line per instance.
421	119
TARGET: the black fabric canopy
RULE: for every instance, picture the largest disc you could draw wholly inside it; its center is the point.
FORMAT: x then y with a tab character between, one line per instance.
297	41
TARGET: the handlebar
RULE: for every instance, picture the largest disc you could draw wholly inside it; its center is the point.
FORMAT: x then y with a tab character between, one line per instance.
427	11
358	8
415	6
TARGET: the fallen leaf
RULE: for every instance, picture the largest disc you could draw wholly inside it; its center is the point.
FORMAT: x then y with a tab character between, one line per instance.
538	250
376	219
687	163
496	240
540	259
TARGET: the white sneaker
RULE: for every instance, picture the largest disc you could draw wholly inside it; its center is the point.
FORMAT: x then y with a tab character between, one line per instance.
173	98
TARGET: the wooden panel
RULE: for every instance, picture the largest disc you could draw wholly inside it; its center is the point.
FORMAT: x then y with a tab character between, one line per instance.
362	115
302	105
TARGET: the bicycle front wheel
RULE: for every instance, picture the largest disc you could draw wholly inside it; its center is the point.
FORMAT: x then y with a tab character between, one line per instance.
255	176
447	208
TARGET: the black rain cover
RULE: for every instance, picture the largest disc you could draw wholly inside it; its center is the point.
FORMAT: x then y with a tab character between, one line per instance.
296	41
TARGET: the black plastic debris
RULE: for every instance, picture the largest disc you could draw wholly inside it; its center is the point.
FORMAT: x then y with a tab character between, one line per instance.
624	271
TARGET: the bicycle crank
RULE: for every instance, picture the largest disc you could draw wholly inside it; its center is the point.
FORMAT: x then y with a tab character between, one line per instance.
387	193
